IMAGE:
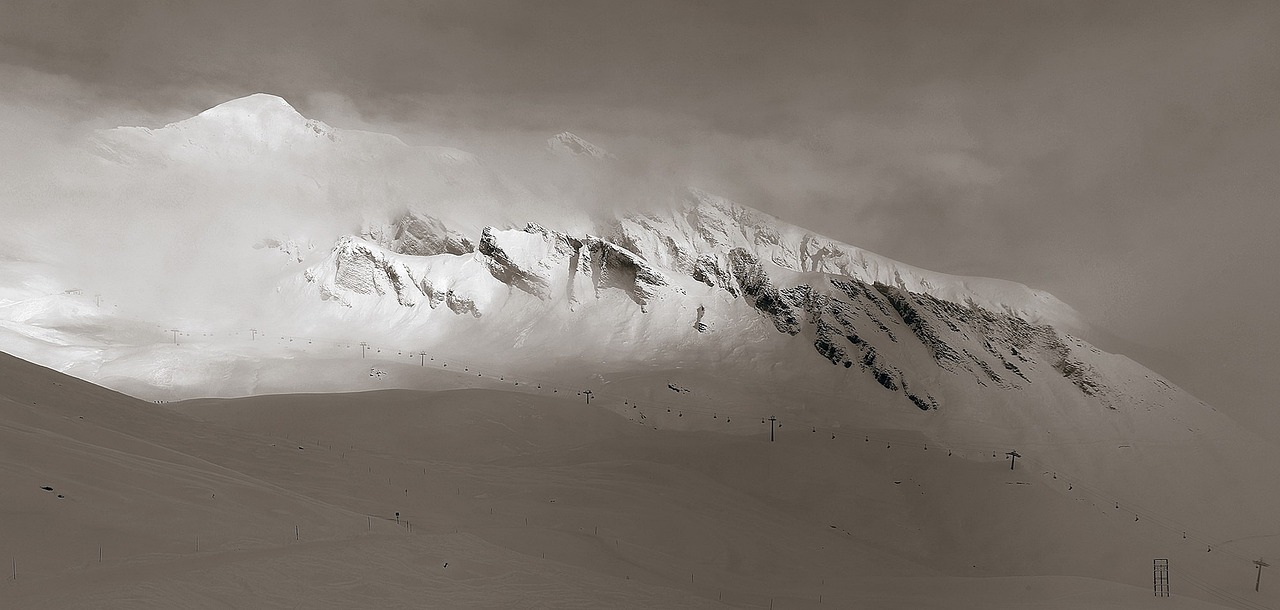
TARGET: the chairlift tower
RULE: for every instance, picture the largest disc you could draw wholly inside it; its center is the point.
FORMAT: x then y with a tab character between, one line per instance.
1161	577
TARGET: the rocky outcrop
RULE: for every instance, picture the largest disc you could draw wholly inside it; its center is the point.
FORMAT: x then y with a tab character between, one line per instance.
363	269
708	270
535	258
450	298
418	234
522	259
616	267
1079	373
461	305
903	304
760	292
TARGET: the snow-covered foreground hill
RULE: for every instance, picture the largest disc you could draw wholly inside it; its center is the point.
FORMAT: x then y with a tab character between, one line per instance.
498	498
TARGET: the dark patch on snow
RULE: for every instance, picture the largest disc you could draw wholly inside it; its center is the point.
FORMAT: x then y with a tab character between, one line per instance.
707	269
903	304
698	324
760	292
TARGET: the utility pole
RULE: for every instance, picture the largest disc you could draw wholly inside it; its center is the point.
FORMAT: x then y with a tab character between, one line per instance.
771	420
1261	564
587	393
422	359
363	346
175	335
254	335
1013	457
97	300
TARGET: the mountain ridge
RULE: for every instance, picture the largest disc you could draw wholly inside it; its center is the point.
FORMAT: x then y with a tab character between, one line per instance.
691	275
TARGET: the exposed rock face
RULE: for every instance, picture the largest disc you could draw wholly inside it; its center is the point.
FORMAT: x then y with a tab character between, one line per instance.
902	303
1079	373
455	302
524	259
854	324
616	267
419	234
461	305
532	260
708	270
653	239
760	292
357	268
365	270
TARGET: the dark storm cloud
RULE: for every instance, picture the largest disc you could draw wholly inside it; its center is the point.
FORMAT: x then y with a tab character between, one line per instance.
1119	154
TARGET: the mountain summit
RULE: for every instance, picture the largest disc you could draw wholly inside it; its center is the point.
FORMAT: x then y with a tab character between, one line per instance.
259	116
239	130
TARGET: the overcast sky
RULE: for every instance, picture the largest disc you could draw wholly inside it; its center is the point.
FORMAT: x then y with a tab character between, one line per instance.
1121	155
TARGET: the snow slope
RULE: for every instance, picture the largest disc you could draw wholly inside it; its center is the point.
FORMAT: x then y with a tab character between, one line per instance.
491	498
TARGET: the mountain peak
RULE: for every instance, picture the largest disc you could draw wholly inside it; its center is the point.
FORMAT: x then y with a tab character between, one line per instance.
250	123
260	109
569	143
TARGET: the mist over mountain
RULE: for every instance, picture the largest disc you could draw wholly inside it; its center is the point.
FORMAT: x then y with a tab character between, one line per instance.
250	215
250	211
250	250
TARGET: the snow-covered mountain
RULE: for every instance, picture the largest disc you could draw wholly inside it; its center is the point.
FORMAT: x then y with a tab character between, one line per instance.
251	250
275	253
439	249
